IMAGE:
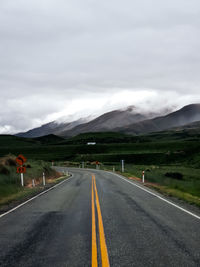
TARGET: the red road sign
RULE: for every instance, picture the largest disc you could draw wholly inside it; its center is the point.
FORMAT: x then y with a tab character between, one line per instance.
21	160
21	169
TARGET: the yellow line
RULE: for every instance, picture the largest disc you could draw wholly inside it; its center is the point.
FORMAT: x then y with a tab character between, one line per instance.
94	242
104	251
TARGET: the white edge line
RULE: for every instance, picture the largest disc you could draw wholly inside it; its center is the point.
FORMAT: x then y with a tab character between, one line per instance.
38	195
169	202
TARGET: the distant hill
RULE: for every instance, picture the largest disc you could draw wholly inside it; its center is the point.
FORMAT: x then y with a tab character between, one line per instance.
7	140
99	138
184	116
49	139
194	126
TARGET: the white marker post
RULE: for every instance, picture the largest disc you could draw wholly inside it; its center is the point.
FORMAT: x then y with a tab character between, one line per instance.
143	177
122	165
33	182
113	169
22	179
44	183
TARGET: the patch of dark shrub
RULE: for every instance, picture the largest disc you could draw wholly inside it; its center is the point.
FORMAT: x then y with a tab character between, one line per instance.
174	175
3	170
28	166
10	162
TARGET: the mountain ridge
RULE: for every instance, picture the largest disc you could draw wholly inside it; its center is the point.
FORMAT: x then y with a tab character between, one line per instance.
128	121
186	115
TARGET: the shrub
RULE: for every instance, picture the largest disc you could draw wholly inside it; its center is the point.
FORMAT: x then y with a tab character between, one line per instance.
28	166
175	175
3	170
10	162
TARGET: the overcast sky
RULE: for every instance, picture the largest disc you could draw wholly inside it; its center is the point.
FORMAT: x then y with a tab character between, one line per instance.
78	57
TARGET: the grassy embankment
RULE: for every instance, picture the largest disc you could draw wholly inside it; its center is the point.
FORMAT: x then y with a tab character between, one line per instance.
10	183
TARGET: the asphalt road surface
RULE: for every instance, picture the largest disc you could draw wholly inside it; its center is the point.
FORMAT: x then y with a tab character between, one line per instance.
96	218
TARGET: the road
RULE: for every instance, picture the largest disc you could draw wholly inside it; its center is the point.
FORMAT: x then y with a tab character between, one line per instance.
96	218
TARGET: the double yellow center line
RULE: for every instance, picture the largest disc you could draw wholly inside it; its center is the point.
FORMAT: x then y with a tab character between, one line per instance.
103	247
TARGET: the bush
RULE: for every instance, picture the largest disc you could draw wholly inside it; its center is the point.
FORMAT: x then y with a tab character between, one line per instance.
3	170
10	162
175	175
28	166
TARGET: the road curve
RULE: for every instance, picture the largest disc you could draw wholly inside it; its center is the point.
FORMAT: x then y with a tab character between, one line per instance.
98	219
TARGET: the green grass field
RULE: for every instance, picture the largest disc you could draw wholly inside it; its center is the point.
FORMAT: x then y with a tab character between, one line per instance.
157	153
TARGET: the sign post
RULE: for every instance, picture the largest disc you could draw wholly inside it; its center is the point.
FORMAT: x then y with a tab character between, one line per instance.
21	169
22	179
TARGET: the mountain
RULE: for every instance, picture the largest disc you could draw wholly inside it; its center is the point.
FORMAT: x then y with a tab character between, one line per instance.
109	121
184	116
54	127
128	121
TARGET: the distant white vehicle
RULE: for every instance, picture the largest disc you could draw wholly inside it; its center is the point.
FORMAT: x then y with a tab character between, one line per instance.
91	143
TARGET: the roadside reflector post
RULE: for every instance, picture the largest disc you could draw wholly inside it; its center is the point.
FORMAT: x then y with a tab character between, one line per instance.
143	177
44	182
22	179
122	165
33	182
97	165
113	169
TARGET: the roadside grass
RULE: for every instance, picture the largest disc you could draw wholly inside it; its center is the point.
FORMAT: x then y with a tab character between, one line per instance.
10	183
187	189
20	194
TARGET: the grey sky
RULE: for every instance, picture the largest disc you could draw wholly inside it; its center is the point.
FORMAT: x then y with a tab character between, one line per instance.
81	57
